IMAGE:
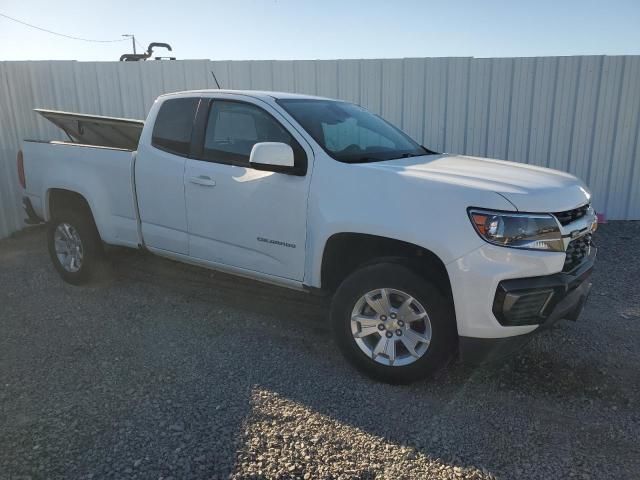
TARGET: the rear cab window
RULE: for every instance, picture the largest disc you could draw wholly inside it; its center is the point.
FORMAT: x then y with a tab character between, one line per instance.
174	125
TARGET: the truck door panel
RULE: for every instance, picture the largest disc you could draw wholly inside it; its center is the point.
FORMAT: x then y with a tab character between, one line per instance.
159	176
238	215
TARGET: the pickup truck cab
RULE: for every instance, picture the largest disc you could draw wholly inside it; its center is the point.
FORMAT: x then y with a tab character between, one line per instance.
425	254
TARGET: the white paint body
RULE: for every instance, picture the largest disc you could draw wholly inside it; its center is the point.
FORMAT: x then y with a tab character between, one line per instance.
214	215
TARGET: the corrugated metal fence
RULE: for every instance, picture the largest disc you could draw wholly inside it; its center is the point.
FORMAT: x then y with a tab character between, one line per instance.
579	114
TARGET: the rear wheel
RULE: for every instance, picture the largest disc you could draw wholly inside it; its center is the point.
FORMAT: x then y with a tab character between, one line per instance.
74	246
392	324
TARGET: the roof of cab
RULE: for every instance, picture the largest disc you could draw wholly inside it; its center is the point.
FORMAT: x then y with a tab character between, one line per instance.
262	94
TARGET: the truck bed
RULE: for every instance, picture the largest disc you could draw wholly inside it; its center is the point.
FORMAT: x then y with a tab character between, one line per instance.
103	175
96	162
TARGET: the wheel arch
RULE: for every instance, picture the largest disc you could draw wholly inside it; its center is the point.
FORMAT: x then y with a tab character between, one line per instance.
345	252
59	199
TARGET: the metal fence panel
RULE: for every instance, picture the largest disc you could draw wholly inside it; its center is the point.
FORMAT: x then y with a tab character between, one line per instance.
578	114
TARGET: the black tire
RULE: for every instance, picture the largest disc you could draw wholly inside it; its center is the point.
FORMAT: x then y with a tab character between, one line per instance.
439	308
92	248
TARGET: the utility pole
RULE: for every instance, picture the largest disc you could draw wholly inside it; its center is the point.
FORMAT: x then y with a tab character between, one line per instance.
133	40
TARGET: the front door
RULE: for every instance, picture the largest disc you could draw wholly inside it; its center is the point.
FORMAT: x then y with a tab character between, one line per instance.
240	216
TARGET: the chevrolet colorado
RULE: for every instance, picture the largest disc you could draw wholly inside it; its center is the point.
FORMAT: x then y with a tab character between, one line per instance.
425	254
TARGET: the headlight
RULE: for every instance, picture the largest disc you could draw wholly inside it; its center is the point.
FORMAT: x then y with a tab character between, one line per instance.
518	230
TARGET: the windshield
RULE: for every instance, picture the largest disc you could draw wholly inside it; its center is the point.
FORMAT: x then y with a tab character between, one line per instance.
349	133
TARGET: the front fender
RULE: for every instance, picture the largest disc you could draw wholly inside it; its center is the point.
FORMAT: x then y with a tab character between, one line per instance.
425	212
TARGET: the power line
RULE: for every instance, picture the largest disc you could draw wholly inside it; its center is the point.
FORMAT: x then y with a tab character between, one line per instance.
61	34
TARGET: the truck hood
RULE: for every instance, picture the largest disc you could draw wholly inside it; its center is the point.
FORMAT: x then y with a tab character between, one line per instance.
529	188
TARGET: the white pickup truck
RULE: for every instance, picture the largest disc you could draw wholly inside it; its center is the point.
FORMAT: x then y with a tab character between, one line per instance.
425	254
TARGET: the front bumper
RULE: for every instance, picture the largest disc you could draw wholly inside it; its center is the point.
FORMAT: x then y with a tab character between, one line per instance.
542	300
475	278
567	294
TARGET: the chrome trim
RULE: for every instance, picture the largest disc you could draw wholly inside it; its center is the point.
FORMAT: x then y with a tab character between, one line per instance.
578	228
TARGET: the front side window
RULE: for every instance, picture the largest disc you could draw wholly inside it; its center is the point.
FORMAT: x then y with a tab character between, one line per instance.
174	125
350	133
234	128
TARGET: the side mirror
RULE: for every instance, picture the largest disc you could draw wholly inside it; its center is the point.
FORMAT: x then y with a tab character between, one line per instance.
275	154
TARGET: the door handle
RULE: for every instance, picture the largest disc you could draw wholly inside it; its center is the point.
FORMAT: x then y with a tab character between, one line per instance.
203	180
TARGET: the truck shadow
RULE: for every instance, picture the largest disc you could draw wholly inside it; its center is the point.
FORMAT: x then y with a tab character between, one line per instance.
448	421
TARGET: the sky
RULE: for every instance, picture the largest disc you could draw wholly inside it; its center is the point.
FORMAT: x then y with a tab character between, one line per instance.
325	29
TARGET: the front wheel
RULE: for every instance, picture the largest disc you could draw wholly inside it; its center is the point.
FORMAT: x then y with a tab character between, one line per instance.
392	324
74	246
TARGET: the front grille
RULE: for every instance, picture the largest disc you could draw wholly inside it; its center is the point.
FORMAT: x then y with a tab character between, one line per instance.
565	218
577	250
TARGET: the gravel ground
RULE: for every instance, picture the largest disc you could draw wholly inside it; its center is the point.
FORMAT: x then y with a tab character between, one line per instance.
161	370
